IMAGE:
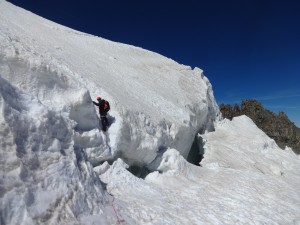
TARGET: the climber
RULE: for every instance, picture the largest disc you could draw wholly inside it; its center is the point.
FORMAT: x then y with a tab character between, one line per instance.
103	109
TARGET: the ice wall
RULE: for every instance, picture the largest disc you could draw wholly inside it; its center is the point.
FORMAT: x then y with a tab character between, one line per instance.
45	178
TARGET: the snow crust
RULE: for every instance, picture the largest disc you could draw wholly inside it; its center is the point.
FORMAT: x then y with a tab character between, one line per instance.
54	160
245	178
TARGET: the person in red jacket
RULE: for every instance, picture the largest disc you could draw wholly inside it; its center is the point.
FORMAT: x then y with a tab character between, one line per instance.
103	109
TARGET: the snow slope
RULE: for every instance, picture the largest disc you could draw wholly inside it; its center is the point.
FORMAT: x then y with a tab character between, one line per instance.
151	96
245	178
51	148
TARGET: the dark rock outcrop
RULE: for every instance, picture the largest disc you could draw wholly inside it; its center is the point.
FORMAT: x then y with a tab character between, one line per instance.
276	126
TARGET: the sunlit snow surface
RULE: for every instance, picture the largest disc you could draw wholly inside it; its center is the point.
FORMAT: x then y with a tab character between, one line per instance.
51	147
244	179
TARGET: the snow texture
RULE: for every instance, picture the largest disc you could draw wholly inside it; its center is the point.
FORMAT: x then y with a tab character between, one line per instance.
58	167
245	178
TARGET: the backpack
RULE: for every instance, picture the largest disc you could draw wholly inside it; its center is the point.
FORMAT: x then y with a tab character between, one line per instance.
106	106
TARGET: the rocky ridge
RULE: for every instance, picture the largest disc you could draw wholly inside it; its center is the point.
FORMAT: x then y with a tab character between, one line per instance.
276	126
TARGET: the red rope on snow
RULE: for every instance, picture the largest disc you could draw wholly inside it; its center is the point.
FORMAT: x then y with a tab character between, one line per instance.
112	204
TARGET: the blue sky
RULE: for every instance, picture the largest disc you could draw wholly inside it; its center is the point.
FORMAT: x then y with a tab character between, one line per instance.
247	49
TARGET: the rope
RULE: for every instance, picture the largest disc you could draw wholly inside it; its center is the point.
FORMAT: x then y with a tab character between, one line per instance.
112	203
113	206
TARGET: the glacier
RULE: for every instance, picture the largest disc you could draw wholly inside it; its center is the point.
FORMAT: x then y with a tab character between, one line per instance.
57	167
